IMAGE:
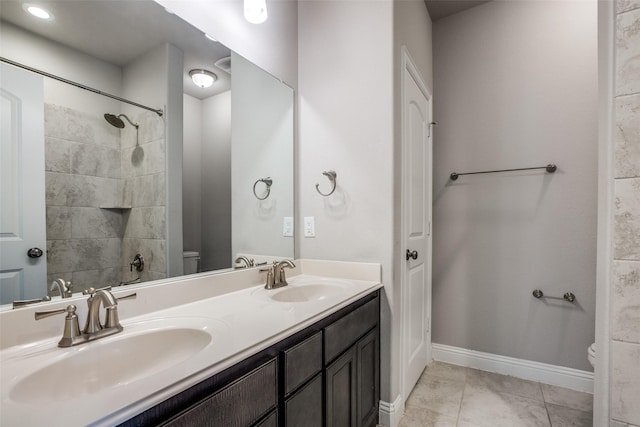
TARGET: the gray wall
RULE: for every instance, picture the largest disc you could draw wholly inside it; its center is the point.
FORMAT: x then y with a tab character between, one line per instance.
207	180
346	124
261	146
516	86
216	182
191	175
625	280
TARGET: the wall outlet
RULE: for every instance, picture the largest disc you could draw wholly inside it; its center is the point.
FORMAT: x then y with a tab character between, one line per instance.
287	226
309	226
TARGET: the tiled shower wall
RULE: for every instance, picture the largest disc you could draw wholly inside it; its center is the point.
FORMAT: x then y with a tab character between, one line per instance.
143	172
104	197
625	347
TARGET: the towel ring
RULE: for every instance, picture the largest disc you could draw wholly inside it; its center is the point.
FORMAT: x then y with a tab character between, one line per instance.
267	181
332	177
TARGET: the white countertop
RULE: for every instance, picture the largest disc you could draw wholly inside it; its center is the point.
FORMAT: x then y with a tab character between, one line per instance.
241	323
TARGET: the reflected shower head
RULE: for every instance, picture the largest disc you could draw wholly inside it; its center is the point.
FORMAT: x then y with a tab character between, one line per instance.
117	121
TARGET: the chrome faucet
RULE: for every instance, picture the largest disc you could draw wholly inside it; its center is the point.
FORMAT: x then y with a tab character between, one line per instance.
247	262
93	329
276	277
64	288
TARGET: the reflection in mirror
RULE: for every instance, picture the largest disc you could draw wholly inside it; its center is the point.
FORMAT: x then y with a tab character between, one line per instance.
113	172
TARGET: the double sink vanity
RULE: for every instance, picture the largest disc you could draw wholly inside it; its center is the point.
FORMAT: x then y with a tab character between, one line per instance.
209	349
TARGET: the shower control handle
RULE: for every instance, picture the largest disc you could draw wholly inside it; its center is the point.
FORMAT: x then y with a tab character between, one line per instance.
138	263
412	254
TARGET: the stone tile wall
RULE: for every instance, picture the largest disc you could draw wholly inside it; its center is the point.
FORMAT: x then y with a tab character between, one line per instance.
625	334
105	197
143	172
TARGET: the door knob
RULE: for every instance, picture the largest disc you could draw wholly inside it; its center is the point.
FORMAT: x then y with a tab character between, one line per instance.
35	253
412	254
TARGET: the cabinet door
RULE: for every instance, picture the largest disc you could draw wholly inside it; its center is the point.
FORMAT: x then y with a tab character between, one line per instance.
304	407
368	379
270	421
341	390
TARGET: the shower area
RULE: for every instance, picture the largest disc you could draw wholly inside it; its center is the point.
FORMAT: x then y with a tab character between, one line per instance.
105	196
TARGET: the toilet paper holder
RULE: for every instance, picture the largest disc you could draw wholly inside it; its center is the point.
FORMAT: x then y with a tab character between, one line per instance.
569	296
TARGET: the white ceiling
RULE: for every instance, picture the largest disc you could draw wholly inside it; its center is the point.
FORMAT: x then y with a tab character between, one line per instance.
439	9
120	31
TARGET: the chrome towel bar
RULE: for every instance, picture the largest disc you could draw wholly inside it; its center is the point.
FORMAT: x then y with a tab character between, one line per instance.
551	168
569	296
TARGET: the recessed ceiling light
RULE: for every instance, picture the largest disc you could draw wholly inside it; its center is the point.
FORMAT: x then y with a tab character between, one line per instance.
255	11
202	78
210	38
38	11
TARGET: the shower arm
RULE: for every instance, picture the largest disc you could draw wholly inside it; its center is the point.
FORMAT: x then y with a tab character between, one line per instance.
129	120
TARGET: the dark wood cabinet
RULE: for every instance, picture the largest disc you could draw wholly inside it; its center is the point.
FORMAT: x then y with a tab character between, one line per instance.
304	407
341	391
368	378
325	375
241	403
352	385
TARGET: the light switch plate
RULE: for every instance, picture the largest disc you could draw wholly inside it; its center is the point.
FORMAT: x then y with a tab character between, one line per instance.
309	226
287	226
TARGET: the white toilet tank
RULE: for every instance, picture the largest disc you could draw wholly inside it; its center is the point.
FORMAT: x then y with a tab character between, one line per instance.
191	262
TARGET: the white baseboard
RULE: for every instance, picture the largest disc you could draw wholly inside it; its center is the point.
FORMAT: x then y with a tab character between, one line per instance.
390	413
561	376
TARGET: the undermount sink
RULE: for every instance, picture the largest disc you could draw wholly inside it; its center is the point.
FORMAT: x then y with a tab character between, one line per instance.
307	292
93	367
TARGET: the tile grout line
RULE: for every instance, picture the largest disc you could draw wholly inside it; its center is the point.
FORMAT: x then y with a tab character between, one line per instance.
546	408
464	388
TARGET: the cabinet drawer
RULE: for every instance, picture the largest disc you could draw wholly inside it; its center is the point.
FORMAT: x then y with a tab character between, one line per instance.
302	362
343	333
241	403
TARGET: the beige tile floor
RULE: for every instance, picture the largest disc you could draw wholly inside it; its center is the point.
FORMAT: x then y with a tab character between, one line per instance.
454	396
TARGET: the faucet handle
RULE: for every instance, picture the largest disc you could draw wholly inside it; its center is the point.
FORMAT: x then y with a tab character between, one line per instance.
130	296
92	291
112	320
71	326
22	303
42	314
270	277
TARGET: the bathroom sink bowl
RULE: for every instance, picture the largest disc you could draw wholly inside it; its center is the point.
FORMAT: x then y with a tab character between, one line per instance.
93	367
307	292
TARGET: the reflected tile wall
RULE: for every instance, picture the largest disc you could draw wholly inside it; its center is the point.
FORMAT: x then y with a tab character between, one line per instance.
625	282
105	196
143	170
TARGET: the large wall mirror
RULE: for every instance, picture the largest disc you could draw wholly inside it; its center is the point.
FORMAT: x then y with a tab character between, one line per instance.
130	194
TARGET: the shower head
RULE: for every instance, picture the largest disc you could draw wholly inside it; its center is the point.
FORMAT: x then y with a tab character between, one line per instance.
117	121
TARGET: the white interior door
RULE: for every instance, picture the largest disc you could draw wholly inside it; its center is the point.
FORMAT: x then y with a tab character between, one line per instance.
416	205
22	201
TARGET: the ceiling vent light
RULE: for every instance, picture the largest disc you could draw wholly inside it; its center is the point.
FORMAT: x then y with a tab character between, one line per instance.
255	11
38	11
202	78
224	64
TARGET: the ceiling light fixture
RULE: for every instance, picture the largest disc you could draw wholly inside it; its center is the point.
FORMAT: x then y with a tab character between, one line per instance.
38	11
255	11
202	78
210	38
